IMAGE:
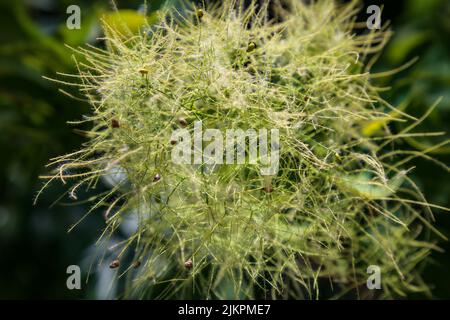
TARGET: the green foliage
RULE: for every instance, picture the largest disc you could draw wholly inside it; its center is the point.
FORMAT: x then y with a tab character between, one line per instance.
32	124
421	30
423	34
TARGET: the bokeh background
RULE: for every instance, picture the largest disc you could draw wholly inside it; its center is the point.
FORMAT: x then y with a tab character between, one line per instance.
35	247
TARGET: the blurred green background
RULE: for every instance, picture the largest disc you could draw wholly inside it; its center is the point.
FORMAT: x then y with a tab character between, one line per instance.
35	248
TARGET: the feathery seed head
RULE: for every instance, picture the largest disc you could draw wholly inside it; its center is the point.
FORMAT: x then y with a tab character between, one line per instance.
339	201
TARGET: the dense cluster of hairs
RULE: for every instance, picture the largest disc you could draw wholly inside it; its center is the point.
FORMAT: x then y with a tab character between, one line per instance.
341	200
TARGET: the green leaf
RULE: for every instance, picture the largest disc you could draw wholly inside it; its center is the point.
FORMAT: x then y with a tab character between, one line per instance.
128	22
364	186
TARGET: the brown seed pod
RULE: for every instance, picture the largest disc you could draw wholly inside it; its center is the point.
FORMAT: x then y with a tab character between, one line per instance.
199	13
268	184
251	46
136	264
143	71
183	122
188	264
115	123
115	264
173	142
268	189
157	177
